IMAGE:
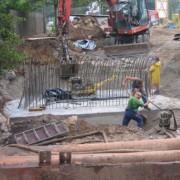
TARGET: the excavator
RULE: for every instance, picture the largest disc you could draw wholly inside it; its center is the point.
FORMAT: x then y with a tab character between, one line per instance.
129	22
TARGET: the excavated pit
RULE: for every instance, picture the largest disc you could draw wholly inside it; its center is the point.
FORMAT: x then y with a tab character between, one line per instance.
135	171
106	122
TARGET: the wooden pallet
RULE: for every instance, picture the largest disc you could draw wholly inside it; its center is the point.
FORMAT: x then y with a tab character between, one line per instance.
41	133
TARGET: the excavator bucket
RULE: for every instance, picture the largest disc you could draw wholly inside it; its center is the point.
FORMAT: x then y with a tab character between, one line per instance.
127	49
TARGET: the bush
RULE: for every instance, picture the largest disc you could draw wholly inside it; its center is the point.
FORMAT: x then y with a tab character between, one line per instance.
9	43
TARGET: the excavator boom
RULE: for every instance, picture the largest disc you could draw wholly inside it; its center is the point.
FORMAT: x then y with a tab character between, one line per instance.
64	14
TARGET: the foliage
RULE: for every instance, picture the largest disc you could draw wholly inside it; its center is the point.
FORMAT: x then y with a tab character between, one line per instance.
9	56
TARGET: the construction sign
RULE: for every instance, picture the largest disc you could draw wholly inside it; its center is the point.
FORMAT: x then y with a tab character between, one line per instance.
162	7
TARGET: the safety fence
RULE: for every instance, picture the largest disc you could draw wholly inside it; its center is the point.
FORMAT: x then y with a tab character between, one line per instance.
92	81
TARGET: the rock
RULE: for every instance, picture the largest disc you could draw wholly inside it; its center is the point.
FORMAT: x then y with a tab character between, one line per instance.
111	129
2	119
4	127
45	118
6	135
71	123
72	120
10	75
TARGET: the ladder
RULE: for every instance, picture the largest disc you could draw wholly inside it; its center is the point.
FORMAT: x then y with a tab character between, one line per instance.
41	133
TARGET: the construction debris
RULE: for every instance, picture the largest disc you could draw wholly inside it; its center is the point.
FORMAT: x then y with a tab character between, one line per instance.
167	125
85	28
85	44
70	138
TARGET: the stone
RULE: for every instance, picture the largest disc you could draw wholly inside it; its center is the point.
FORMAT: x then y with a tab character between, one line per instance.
10	75
6	135
2	119
72	120
4	127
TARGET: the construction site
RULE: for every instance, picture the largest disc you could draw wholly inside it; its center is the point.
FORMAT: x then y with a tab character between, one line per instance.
62	111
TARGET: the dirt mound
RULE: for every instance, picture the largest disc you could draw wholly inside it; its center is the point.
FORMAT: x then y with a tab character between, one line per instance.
41	48
85	28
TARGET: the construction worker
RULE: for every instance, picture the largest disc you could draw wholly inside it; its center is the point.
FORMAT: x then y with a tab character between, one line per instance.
137	84
131	111
155	71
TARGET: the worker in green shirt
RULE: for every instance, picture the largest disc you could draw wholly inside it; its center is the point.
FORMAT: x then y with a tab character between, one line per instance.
132	108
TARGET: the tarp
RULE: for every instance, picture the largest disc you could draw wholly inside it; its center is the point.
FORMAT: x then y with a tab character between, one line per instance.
85	44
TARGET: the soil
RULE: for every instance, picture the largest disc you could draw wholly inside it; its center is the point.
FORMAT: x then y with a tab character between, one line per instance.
161	45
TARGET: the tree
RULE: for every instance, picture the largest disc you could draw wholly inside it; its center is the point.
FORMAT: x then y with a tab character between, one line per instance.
9	56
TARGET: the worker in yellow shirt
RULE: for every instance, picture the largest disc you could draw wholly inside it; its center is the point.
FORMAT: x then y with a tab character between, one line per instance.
155	71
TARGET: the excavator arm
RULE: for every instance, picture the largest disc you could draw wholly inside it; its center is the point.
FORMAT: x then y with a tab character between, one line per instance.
68	63
63	22
64	15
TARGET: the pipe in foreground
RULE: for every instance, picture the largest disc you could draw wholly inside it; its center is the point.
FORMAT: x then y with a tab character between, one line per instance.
154	145
96	159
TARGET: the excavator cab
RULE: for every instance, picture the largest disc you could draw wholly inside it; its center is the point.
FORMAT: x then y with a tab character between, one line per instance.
129	22
126	15
128	19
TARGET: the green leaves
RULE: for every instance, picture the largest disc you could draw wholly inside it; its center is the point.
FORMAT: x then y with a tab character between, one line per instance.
9	41
9	55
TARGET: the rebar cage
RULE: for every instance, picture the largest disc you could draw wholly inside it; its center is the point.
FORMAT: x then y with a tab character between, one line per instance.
97	81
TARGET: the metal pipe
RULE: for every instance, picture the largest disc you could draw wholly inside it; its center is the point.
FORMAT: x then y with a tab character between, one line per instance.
96	159
137	157
156	145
